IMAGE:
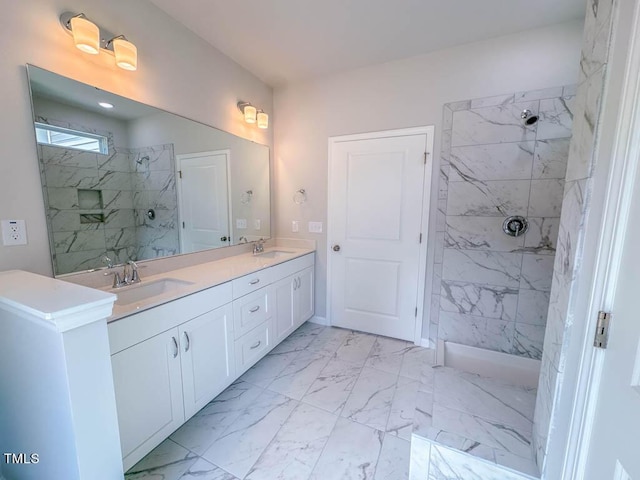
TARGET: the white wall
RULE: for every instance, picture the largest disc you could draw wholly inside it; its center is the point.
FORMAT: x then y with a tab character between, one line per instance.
177	71
397	95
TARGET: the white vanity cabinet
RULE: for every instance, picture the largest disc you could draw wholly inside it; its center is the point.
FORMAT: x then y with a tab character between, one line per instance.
170	361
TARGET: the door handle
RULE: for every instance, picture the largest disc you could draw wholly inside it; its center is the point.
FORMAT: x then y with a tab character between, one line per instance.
255	345
223	239
186	337
175	347
254	309
254	282
336	248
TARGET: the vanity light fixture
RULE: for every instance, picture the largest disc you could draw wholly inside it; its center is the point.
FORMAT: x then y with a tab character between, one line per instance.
253	115
90	38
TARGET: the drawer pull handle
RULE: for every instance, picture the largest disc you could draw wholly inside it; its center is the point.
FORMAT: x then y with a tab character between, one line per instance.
256	345
254	282
255	309
186	336
175	347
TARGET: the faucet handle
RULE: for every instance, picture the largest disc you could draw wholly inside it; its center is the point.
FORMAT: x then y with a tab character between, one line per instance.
118	281
135	276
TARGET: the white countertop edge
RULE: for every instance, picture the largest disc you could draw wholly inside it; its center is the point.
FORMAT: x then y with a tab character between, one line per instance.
215	278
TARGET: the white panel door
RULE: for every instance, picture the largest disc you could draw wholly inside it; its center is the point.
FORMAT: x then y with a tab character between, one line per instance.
148	387
376	197
203	188
208	359
615	445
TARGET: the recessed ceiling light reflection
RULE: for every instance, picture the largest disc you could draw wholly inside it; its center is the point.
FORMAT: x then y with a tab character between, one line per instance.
105	105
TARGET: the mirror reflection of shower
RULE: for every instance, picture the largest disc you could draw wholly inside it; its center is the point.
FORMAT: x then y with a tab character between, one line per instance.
529	118
142	159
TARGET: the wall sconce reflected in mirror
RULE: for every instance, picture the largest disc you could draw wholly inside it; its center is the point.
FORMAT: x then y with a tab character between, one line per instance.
253	115
246	197
90	38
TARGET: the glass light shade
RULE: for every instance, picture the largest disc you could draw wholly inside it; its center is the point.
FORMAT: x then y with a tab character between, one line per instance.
86	35
250	113
263	120
126	54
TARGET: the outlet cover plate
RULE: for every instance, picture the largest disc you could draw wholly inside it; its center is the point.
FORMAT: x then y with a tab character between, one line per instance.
315	227
241	223
295	226
14	232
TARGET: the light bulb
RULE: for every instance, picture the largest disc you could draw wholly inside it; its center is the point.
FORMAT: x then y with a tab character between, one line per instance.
263	120
126	54
250	113
86	35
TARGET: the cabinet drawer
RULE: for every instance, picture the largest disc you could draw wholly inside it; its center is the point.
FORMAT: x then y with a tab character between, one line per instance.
251	310
250	283
253	346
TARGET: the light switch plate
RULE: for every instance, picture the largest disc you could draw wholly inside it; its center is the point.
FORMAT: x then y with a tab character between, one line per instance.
257	224
241	223
14	232
315	227
295	226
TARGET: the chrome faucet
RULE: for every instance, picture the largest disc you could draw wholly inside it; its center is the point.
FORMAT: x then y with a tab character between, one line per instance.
243	239
129	275
258	247
135	276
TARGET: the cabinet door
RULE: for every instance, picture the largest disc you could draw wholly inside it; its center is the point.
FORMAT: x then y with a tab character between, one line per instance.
284	317
208	360
303	305
148	389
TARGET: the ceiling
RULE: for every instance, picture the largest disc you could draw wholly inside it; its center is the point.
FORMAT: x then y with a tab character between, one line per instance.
283	41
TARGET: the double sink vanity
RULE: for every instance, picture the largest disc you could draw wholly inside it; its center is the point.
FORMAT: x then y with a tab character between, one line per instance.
179	338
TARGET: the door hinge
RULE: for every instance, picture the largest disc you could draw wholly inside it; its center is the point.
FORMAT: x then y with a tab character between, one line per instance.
425	157
602	330
416	313
180	173
183	225
420	238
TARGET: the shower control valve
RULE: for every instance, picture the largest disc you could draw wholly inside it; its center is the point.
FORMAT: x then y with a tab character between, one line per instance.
515	226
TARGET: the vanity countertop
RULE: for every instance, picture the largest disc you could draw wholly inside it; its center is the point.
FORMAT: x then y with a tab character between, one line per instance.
200	277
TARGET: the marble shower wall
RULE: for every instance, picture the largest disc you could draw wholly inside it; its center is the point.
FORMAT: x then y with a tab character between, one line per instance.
575	210
491	290
154	180
94	203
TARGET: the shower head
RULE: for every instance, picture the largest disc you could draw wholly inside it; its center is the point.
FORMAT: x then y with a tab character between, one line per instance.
529	118
142	159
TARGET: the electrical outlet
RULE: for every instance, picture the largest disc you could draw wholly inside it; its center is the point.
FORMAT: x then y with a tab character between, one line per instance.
315	227
257	224
14	232
241	223
295	226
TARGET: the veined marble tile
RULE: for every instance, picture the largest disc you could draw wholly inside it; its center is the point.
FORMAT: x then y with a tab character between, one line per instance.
556	118
475	331
370	400
494	268
120	237
445	147
461	105
52	155
268	369
393	462
206	426
350	454
441	215
203	470
328	341
242	443
443	182
79	241
542	235
447	118
492	101
529	340
62	198
486	398
519	464
333	386
480	233
298	340
110	180
296	448
423	414
488	198
497	124
77	261
415	361
356	348
420	453
539	94
490	433
501	161
448	464
161	199
546	198
537	272
119	218
61	176
550	158
168	461
116	199
403	408
532	307
387	354
297	377
154	181
477	299
115	161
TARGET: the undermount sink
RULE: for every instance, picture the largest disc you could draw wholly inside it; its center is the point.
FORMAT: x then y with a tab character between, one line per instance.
274	254
146	290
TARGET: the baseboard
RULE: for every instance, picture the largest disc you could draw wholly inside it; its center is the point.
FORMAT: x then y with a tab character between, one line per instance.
319	320
510	368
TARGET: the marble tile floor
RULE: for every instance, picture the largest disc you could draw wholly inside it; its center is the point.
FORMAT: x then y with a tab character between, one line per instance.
329	403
